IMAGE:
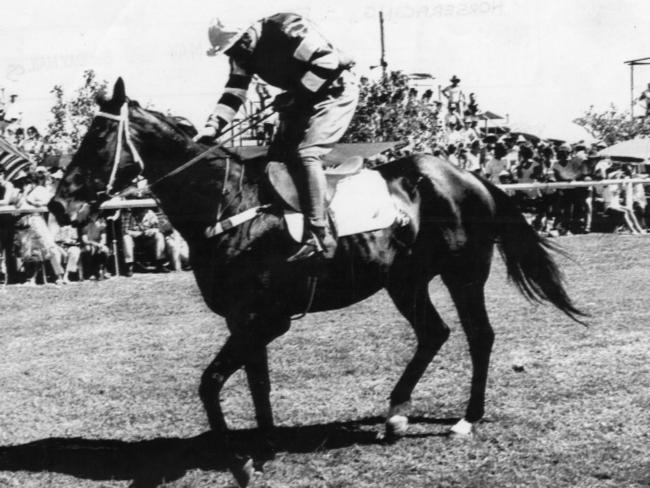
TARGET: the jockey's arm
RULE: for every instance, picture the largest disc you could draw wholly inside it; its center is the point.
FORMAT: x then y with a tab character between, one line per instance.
233	97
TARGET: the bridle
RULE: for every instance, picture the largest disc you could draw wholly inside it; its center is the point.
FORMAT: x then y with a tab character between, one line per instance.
123	134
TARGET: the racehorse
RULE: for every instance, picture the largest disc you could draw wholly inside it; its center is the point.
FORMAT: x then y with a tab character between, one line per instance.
243	275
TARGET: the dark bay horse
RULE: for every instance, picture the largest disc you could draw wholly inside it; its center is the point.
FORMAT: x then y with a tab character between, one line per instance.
456	218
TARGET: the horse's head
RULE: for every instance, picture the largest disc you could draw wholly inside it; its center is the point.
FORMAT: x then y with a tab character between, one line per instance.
108	160
102	164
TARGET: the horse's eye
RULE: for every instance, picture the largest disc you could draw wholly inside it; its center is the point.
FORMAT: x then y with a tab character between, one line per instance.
78	179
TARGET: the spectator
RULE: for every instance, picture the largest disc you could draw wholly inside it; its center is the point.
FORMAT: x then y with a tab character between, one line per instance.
474	157
513	145
469	133
569	203
645	100
95	249
471	111
36	241
439	120
3	107
18	137
635	197
33	145
141	233
620	214
177	251
13	112
528	171
69	252
454	94
498	165
452	155
9	195
176	248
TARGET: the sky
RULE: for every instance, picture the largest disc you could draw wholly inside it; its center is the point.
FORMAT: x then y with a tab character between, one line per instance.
539	61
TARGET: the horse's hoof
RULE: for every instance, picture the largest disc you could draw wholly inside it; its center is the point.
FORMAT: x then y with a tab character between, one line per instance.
396	427
243	471
462	429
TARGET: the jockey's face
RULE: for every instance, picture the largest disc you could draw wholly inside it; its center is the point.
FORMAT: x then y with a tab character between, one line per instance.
241	51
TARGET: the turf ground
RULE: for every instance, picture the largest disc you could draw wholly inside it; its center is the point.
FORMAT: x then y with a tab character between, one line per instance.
98	387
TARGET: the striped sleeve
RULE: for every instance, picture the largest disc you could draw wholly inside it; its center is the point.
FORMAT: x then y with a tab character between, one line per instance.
322	60
233	97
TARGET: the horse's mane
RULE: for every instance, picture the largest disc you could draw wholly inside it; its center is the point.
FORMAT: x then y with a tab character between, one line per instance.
186	130
180	124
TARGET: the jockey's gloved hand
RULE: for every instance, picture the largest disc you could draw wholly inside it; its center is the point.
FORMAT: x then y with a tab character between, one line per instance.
207	134
283	101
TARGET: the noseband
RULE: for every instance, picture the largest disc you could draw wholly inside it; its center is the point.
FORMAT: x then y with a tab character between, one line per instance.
123	134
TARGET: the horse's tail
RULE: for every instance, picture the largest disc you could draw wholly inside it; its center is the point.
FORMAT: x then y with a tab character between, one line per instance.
528	257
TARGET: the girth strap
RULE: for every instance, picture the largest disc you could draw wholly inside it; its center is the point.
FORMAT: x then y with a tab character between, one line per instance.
234	221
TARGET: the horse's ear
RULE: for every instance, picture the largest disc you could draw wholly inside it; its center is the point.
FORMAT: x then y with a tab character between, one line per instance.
100	98
119	92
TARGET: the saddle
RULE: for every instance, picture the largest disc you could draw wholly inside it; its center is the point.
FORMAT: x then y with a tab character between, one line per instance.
357	199
283	183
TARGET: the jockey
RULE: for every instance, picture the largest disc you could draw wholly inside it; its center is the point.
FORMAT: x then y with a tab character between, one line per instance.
319	99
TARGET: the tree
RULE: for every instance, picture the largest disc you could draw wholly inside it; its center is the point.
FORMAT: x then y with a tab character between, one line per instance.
71	118
389	111
612	126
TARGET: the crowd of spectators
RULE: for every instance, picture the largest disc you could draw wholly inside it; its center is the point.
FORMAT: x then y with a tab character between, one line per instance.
503	157
35	249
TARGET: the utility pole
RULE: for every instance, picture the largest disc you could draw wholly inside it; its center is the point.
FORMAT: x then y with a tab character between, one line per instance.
632	91
382	61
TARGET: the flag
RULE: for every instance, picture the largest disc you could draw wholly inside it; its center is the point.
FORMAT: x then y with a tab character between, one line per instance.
13	160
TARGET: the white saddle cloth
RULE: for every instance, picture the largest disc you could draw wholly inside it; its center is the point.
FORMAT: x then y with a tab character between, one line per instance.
361	203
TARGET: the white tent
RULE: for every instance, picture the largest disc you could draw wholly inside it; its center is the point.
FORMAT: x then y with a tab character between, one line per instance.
568	132
634	150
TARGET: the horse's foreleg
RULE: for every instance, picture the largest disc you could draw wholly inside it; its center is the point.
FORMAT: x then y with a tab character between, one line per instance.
257	373
246	346
431	333
229	359
470	302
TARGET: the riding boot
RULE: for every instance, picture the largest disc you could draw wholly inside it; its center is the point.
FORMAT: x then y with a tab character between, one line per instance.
326	241
317	241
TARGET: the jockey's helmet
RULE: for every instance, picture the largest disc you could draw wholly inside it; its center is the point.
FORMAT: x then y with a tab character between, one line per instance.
222	37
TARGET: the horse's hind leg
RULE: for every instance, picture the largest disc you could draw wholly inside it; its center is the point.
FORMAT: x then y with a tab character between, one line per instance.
257	373
431	333
469	298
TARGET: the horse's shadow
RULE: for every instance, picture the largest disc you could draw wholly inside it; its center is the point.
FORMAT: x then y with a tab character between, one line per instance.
149	463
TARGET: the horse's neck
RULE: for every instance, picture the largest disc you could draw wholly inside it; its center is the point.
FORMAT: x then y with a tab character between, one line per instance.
213	188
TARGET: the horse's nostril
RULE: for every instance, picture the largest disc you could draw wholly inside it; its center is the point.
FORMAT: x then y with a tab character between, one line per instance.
57	209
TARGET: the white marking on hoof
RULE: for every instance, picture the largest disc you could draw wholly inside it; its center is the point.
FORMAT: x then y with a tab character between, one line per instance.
397	425
244	473
463	428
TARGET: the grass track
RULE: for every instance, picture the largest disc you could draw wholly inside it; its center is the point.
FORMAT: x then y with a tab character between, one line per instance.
116	365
